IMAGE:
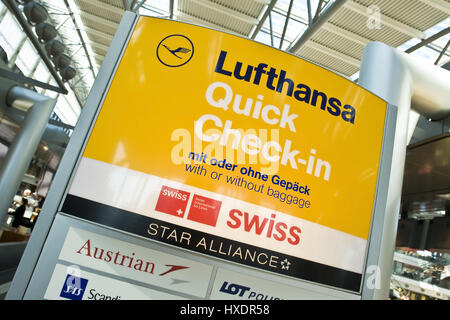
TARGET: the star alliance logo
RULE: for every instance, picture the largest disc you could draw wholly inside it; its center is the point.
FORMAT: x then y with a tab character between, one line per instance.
175	50
285	264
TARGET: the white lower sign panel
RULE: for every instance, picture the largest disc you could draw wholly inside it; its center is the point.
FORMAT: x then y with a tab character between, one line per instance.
134	262
229	285
76	284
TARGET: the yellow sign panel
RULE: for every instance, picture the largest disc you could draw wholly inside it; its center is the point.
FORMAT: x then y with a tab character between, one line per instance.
224	114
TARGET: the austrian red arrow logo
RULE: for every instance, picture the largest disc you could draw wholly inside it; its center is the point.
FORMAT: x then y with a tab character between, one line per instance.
172	269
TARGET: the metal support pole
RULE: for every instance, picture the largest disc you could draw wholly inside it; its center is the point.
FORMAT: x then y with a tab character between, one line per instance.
429	40
138	5
424	235
263	18
323	18
132	5
405	82
318	10
442	52
310	18
288	14
25	143
271	29
126	5
171	3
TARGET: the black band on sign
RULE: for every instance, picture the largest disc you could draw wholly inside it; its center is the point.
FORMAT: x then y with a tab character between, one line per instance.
211	245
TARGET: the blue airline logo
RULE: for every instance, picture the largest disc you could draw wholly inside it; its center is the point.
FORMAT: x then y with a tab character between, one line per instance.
175	50
74	287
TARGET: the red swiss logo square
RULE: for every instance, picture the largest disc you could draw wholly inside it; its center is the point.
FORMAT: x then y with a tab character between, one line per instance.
172	201
204	210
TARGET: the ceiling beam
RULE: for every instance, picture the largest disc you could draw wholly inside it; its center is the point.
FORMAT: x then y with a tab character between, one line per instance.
333	53
103	6
99	46
97	19
265	2
346	34
387	21
98	33
99	60
98	56
227	11
440	5
182	16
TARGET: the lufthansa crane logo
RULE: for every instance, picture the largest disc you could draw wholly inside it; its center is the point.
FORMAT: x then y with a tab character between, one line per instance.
175	50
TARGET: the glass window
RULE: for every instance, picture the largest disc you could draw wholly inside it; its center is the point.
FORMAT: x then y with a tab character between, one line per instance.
11	30
10	34
64	111
431	52
27	58
155	8
41	73
67	108
162	5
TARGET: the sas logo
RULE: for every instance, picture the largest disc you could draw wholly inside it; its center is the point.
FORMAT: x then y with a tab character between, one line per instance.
175	50
74	287
233	289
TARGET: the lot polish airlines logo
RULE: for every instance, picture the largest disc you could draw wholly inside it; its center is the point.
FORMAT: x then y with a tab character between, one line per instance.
245	292
175	50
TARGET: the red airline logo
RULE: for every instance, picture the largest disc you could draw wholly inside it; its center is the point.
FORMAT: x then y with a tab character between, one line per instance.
204	210
172	201
268	227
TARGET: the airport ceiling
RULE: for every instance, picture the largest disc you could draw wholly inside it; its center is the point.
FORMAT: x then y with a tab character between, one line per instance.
331	33
338	43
